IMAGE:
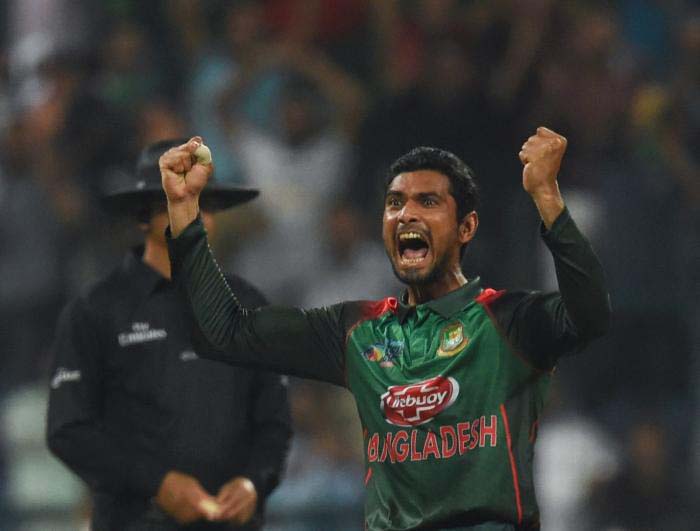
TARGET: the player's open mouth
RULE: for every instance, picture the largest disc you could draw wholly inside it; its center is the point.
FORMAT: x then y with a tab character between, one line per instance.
413	247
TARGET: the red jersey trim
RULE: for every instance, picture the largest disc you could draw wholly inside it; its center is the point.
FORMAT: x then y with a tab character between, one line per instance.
488	296
372	310
368	476
377	308
513	469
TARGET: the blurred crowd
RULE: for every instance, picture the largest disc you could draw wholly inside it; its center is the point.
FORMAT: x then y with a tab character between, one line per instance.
311	100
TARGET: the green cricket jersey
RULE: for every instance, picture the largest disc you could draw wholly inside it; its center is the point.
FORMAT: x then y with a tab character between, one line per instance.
449	392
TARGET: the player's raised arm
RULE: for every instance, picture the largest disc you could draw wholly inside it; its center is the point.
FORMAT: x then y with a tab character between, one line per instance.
547	325
306	343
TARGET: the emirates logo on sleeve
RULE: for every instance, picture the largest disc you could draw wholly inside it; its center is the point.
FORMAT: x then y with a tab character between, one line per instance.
418	403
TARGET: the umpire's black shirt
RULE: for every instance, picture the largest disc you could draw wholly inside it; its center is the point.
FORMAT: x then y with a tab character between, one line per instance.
130	399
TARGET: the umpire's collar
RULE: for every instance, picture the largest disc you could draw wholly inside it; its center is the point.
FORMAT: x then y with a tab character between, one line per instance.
142	277
447	305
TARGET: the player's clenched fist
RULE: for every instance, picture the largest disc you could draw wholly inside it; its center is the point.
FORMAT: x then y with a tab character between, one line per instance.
185	171
541	156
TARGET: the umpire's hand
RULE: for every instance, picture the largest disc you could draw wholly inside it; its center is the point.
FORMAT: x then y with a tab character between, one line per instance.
237	500
183	498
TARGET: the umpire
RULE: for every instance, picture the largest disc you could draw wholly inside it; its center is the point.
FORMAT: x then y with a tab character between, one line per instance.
164	439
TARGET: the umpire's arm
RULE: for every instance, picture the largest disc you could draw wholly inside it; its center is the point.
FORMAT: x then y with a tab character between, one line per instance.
269	414
271	433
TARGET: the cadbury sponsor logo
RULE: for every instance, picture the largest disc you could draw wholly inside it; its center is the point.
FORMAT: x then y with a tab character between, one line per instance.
418	403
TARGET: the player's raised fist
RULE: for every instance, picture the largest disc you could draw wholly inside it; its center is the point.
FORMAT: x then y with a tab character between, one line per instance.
185	170
541	155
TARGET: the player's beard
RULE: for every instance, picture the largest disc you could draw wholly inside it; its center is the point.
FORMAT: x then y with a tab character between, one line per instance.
416	278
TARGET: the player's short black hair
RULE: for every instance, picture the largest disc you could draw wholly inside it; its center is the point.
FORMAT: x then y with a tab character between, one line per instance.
463	185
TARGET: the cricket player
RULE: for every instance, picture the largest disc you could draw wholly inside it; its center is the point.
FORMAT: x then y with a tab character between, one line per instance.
450	378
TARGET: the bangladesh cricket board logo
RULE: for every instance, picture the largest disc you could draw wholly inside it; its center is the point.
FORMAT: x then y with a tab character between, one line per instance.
418	403
452	340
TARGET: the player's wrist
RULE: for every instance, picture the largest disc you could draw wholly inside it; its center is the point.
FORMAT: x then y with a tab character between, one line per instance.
550	209
545	192
181	214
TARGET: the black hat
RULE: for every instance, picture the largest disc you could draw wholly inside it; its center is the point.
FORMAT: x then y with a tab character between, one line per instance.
144	188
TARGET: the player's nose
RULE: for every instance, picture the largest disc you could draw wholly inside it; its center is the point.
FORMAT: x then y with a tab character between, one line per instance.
408	213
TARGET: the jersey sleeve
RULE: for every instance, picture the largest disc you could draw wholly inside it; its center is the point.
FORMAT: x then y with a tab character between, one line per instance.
74	431
248	295
305	343
545	326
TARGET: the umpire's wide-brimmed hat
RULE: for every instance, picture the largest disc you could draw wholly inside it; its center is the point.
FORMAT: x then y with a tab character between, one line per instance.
143	189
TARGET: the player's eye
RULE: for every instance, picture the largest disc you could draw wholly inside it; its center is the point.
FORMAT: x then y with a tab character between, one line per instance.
392	201
429	202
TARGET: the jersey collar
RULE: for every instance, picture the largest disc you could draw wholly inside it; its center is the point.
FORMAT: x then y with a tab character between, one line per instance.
447	305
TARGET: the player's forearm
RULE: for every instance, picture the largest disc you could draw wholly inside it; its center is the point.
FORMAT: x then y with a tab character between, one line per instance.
181	214
549	203
580	276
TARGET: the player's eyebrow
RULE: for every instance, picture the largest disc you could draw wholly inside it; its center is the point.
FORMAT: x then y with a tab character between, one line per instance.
428	195
394	193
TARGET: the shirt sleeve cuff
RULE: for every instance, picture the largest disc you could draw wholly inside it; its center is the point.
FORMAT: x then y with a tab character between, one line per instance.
180	247
560	226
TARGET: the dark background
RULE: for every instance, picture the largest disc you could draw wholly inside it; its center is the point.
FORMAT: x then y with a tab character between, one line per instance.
310	101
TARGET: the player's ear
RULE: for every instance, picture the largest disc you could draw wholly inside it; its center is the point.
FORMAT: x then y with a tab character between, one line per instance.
467	227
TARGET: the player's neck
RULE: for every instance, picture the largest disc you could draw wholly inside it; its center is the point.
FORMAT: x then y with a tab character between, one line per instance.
450	281
155	255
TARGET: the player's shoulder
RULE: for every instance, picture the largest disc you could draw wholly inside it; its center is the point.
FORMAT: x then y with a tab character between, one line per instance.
504	304
504	297
511	306
358	311
350	313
